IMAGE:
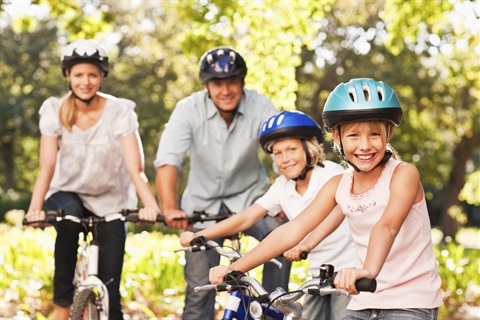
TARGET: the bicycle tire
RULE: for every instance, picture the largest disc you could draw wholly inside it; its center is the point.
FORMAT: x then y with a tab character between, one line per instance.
84	306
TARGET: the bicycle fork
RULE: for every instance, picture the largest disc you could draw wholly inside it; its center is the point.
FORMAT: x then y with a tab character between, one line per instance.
92	281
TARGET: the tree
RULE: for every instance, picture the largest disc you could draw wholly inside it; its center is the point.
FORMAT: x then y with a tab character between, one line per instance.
446	35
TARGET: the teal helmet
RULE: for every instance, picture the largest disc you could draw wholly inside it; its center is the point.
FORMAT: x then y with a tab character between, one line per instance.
361	100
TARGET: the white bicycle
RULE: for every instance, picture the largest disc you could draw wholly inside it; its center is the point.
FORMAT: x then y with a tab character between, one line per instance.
91	295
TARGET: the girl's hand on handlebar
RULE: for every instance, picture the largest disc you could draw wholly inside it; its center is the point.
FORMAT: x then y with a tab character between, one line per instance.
148	213
346	278
186	238
294	254
218	273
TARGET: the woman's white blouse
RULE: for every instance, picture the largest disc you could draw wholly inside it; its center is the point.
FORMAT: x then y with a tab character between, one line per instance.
90	163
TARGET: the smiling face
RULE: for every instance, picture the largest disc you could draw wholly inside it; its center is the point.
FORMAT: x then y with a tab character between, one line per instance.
289	156
85	79
225	93
364	143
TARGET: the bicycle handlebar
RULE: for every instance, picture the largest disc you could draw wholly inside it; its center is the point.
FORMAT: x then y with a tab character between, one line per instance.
203	244
128	215
286	302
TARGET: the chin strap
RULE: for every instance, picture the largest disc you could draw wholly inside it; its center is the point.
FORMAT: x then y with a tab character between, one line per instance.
308	167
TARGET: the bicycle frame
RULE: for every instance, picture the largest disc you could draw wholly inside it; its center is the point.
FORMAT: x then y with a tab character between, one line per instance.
87	270
238	305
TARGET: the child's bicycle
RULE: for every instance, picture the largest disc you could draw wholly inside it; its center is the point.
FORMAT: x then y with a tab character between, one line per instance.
243	304
91	295
236	306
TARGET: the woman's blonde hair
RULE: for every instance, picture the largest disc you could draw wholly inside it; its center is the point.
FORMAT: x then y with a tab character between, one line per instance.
68	112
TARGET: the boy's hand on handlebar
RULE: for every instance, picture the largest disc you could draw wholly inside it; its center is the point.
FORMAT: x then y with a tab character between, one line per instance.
171	215
294	254
186	238
218	273
346	278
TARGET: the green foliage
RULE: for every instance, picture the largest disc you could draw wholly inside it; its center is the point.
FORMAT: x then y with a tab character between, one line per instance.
152	281
471	191
152	278
458	268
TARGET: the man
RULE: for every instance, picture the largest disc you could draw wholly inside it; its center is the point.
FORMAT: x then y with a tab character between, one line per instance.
218	126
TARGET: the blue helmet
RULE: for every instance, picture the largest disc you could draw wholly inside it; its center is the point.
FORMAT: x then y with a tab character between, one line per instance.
222	63
288	124
361	100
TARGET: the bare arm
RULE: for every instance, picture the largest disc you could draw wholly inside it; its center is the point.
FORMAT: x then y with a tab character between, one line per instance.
133	162
166	182
405	190
287	235
236	223
323	230
48	160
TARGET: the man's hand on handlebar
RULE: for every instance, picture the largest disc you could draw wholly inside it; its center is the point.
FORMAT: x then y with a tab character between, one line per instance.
172	218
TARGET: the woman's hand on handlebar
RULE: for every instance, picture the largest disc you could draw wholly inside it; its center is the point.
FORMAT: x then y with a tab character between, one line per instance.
218	273
148	213
346	278
36	215
186	238
295	254
171	215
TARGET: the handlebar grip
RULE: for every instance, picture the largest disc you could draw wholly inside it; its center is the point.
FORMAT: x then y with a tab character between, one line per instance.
303	255
369	285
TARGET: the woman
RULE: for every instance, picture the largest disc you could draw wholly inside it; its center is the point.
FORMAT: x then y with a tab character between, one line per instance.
91	163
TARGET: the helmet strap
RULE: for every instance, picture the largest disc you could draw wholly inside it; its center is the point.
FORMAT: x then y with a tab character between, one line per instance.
307	167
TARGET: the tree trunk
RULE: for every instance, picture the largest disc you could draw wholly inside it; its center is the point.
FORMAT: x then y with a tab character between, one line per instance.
449	194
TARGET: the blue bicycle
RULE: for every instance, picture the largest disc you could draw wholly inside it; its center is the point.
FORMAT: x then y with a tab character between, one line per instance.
247	299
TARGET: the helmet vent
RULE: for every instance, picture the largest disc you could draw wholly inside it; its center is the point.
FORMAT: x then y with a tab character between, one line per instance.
352	94
380	93
366	93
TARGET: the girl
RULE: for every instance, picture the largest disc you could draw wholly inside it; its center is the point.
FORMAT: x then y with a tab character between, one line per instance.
91	163
384	202
295	140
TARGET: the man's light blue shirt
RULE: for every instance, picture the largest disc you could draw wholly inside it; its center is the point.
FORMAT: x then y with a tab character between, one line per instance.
224	162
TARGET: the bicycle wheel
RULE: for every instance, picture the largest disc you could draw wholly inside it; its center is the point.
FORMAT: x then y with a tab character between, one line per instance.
84	306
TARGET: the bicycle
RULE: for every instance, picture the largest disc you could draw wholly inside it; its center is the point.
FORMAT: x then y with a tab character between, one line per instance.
279	304
233	307
91	295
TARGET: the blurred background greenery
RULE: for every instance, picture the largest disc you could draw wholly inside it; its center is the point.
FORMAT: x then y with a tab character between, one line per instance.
297	51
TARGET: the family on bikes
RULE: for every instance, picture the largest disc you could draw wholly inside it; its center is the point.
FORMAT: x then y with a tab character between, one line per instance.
368	217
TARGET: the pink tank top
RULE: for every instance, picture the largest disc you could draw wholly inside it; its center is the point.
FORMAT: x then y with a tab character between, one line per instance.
409	278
